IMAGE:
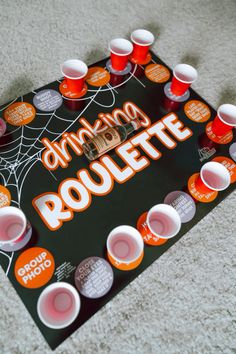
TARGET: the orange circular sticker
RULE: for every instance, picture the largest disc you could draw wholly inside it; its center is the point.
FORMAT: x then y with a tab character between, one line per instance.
141	62
5	197
201	197
34	267
97	76
157	73
19	113
225	139
124	266
197	111
229	164
146	234
69	94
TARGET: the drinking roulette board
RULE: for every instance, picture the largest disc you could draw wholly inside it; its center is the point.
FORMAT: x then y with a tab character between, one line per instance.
72	204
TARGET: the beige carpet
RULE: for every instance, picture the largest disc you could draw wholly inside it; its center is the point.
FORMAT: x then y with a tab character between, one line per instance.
185	302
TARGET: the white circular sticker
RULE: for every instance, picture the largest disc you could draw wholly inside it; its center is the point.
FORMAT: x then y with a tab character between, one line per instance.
232	151
183	203
94	277
47	100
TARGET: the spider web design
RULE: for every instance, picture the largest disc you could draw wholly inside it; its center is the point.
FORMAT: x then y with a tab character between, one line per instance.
20	155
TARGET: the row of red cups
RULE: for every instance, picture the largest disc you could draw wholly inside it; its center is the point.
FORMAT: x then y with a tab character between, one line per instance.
75	71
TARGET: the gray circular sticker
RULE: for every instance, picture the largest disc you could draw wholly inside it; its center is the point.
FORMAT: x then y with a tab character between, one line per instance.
94	277
47	100
232	151
183	203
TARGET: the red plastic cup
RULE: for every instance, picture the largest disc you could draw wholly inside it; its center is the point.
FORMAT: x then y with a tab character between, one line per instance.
225	120
13	226
183	76
120	49
125	247
163	221
213	177
58	305
74	71
142	40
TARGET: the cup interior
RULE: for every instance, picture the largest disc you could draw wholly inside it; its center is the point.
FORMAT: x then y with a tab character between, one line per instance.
185	73
142	37
12	224
227	113
163	221
74	69
125	244
121	46
215	176
58	305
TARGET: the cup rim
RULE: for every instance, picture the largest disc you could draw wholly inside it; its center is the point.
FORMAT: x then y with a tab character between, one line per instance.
233	110
124	41
46	291
217	165
168	209
75	61
7	210
135	234
144	31
188	67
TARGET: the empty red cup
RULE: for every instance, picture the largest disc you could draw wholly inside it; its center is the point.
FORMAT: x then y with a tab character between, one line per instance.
225	120
142	40
183	76
213	177
74	71
120	49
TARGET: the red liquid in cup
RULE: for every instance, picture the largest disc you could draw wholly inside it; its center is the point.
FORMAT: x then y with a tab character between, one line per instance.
58	306
124	247
11	227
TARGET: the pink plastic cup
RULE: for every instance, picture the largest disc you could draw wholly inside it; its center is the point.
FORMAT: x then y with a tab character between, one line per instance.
183	76
74	71
142	40
120	49
13	227
225	120
213	177
58	305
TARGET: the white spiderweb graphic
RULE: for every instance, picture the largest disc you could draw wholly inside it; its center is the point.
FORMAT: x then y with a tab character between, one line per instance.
20	154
